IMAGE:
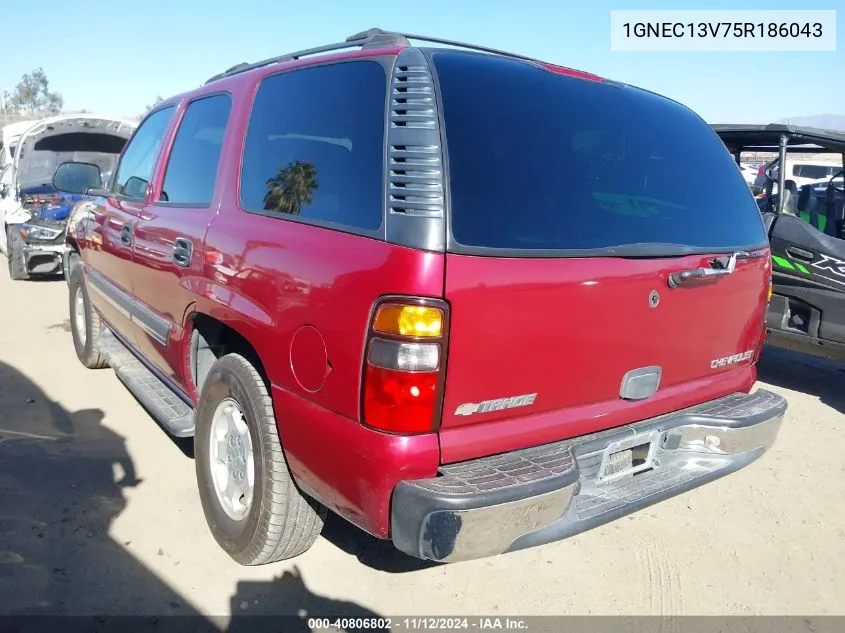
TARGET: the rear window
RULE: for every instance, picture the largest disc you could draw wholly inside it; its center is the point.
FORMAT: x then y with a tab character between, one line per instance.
542	161
816	172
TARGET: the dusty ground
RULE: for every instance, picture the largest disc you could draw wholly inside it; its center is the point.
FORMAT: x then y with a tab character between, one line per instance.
99	514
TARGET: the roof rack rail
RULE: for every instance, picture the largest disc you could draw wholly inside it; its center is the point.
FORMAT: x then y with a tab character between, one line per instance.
365	39
373	37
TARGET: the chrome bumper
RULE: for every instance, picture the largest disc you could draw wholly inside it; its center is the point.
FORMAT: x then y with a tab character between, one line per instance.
542	494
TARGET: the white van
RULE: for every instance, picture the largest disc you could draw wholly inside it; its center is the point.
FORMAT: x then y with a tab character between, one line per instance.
802	172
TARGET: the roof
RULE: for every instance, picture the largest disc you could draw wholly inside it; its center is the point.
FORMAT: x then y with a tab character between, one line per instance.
765	138
376	38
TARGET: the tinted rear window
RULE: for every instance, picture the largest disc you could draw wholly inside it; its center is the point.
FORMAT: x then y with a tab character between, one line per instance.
543	161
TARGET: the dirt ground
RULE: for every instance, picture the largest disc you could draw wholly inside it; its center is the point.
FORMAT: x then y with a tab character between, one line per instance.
99	514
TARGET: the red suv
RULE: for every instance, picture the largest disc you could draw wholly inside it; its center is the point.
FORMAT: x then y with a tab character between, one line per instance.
469	301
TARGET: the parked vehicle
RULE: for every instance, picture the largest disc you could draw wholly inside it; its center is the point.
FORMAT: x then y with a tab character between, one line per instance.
807	310
801	172
467	323
749	173
9	137
33	213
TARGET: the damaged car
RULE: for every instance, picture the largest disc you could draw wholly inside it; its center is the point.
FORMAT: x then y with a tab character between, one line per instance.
54	157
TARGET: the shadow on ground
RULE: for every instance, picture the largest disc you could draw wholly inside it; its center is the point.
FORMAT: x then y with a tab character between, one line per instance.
45	278
369	550
62	482
819	377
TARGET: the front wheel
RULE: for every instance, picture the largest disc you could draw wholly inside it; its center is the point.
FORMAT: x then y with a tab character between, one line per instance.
17	265
254	509
84	322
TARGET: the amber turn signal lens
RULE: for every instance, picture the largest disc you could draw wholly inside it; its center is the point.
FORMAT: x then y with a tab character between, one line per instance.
408	320
769	298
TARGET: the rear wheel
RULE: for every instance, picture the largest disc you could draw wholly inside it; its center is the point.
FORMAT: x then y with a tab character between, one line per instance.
84	322
251	503
17	265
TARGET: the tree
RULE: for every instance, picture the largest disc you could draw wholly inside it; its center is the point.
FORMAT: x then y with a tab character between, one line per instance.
32	95
291	187
150	107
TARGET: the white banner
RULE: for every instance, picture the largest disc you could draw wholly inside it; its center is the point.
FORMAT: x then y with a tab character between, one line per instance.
724	30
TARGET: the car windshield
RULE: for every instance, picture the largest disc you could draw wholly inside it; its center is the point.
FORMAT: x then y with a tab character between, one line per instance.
542	161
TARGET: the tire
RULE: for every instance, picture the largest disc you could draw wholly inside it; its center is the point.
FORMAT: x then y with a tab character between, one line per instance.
85	335
17	266
73	260
280	522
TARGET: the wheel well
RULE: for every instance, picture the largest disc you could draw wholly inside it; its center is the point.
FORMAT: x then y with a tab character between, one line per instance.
212	339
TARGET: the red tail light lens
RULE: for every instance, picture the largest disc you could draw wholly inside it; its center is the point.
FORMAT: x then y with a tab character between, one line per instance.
761	171
404	365
399	401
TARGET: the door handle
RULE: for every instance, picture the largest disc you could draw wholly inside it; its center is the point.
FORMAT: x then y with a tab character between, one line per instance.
800	253
182	251
126	234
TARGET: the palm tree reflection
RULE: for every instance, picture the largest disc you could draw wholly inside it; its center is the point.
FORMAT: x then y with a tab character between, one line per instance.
292	187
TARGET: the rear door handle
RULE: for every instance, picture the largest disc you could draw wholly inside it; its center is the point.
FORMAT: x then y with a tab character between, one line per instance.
182	251
126	234
726	266
800	253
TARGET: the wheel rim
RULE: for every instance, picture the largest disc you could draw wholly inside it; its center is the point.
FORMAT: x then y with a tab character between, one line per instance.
232	460
79	317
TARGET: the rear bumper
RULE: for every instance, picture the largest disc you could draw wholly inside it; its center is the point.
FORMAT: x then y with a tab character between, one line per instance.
538	495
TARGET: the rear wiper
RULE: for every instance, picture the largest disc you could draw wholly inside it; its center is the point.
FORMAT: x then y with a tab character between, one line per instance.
648	250
720	267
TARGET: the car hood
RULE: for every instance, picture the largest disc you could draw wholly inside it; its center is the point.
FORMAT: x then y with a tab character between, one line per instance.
82	137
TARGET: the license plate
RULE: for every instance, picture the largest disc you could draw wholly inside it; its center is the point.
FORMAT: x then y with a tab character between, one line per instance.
628	457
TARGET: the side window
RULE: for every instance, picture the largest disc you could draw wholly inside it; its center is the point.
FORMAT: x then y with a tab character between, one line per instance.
314	146
136	165
192	166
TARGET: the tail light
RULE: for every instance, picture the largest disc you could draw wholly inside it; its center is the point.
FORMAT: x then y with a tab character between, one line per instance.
404	365
762	170
761	340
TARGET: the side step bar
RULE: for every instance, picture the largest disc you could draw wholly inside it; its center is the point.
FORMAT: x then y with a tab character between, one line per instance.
162	403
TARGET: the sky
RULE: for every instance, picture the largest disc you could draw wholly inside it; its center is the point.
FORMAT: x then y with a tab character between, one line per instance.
115	56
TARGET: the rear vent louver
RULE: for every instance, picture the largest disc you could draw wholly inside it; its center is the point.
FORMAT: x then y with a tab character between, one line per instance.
415	176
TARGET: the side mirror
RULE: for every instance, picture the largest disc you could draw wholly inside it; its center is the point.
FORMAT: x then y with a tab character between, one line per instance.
135	187
74	177
4	192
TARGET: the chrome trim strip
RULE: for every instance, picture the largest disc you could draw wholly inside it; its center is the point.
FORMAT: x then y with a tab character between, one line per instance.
151	323
129	307
108	299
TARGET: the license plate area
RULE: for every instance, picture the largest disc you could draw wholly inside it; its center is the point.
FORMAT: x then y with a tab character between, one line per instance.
628	457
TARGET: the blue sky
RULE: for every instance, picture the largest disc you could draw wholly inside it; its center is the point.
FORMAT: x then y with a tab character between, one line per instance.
115	56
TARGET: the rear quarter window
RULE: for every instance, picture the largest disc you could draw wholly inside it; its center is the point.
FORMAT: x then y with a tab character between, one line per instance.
314	147
541	161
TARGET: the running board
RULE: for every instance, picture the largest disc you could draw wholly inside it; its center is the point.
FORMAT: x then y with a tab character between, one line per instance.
160	401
